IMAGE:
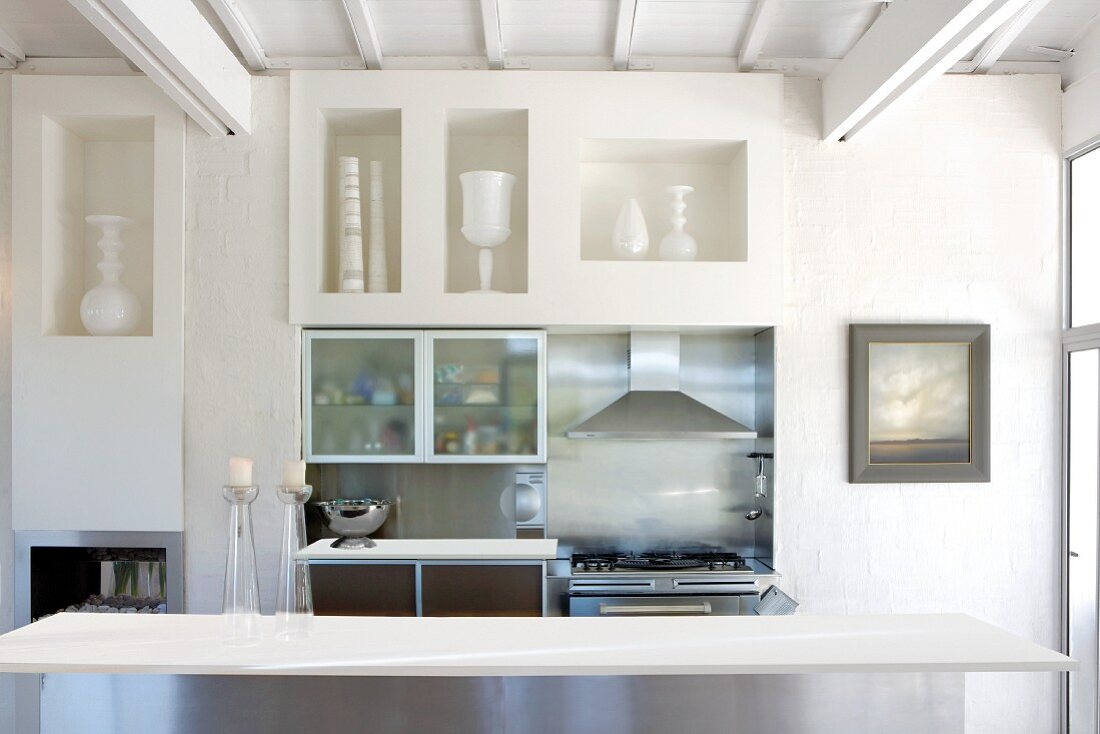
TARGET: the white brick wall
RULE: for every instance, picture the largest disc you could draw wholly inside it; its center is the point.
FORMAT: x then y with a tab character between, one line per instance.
948	211
241	383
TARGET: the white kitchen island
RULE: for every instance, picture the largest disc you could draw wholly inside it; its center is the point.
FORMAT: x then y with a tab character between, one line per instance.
904	673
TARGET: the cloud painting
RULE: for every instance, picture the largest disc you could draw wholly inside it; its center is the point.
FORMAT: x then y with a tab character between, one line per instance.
918	403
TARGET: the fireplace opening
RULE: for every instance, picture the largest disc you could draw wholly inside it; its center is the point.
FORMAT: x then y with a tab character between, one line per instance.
103	580
97	572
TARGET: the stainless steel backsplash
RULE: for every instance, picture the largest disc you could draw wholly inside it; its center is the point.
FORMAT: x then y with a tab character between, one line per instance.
433	500
640	495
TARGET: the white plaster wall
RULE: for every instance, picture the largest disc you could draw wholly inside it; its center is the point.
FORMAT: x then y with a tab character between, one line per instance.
946	211
241	368
7	700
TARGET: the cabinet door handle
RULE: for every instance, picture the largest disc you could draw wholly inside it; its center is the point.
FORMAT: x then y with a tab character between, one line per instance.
1073	554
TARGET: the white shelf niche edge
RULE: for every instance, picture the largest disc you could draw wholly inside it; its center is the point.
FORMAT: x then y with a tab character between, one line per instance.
615	170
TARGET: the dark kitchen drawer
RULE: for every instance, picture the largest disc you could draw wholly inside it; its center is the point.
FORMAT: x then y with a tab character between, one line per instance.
482	590
364	589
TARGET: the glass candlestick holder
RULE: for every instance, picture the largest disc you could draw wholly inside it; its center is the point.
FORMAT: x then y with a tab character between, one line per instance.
294	601
241	594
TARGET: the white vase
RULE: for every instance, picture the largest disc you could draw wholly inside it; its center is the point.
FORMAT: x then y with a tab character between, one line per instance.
110	308
678	244
486	217
631	238
351	226
377	278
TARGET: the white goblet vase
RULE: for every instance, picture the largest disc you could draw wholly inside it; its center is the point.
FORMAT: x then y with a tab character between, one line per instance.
110	308
630	240
486	217
678	244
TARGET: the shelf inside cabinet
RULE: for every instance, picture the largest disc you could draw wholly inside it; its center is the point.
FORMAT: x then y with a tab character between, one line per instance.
368	135
616	170
487	140
94	165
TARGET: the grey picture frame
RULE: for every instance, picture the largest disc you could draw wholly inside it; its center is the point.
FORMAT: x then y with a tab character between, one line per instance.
860	468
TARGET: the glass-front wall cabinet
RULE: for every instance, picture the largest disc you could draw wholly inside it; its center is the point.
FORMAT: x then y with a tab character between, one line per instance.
488	396
362	401
436	396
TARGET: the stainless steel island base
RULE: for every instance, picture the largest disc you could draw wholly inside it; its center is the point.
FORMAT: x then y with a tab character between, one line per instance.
816	703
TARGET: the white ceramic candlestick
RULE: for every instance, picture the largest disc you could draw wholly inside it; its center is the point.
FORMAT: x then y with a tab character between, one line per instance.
486	217
678	244
110	308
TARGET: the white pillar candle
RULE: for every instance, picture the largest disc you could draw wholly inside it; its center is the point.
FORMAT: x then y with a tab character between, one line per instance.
294	473
240	472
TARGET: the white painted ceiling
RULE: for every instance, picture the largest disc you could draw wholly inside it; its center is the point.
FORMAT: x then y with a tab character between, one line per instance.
438	32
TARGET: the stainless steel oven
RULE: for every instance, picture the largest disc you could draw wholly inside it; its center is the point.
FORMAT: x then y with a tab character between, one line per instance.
661	596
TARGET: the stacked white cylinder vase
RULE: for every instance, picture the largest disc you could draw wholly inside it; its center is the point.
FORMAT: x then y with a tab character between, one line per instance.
376	261
352	277
351	227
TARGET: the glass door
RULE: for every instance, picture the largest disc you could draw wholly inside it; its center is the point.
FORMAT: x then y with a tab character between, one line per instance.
360	396
1081	438
486	393
1081	372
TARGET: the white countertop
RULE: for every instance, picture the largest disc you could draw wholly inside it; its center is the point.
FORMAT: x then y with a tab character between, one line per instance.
447	646
473	549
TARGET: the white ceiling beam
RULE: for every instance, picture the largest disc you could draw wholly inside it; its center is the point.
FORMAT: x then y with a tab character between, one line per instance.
177	48
757	33
365	32
490	20
995	46
911	43
624	34
11	53
229	13
1086	61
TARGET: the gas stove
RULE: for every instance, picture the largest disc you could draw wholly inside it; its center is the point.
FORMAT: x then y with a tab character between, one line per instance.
659	562
661	583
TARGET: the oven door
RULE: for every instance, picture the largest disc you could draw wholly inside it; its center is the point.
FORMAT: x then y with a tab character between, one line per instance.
679	605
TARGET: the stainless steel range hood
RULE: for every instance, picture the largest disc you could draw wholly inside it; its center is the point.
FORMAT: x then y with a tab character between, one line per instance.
654	408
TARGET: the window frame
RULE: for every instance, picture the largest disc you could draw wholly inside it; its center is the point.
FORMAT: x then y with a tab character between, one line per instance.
1070	332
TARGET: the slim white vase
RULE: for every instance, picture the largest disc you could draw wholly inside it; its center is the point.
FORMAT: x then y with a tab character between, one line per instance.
486	217
630	240
377	280
678	244
351	226
110	308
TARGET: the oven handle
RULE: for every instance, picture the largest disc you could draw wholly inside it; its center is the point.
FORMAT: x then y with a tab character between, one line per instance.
608	610
612	585
744	587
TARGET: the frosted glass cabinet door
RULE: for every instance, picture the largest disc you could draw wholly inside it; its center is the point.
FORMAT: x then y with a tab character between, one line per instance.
361	401
486	393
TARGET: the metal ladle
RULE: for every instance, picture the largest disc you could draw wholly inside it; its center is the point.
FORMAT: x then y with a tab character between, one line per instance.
761	482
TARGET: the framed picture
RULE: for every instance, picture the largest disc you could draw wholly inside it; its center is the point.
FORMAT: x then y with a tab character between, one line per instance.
918	403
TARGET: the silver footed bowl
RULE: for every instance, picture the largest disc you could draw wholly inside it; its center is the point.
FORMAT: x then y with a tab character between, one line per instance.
354	520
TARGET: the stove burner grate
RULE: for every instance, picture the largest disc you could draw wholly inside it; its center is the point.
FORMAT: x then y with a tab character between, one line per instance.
658	564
